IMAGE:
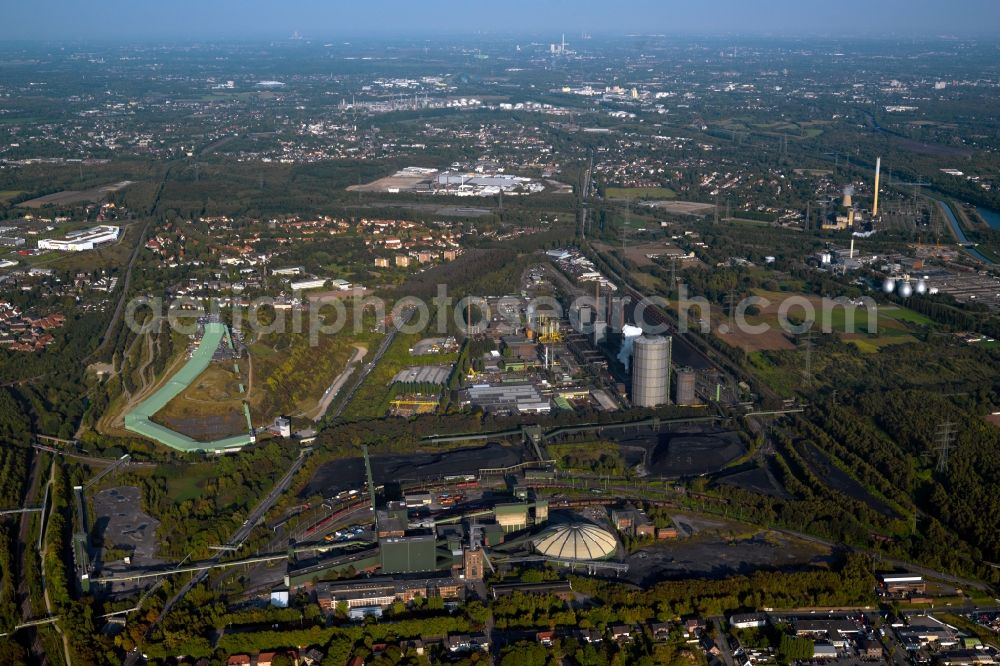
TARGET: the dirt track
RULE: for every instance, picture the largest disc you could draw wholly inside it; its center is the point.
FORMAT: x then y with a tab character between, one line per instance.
338	383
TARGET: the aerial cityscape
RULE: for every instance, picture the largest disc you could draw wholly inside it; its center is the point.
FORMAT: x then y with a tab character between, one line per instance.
557	334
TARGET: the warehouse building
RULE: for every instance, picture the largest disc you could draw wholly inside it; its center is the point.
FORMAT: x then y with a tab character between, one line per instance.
748	621
508	398
79	241
423	374
901	584
307	284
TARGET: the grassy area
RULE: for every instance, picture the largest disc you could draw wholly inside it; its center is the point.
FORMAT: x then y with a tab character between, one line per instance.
783	381
639	193
7	195
216	390
873	345
647	281
290	374
188	486
988	252
892	321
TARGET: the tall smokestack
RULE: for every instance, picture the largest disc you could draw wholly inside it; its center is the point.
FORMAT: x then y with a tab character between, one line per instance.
878	171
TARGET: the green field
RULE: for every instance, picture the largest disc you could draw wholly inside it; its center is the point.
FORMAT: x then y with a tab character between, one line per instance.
903	314
893	320
7	195
639	193
186	484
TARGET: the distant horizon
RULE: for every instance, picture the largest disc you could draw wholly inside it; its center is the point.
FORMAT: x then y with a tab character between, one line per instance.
572	40
252	20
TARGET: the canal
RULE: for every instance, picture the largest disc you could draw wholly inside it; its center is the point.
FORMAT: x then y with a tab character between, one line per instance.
959	234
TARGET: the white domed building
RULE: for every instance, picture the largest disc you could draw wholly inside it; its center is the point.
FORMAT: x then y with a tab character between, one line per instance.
576	541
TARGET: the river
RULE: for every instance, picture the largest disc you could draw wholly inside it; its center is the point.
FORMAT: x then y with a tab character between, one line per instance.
991	216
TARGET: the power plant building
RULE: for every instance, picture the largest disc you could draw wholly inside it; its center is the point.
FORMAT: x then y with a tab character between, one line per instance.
651	358
616	312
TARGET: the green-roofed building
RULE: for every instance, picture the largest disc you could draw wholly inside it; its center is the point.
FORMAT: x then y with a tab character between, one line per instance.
408	554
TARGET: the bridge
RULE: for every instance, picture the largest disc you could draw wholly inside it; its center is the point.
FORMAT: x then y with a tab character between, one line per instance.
108	470
526	434
776	412
32	623
27	509
504	471
141	574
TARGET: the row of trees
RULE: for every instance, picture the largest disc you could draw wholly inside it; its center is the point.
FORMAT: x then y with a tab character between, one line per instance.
850	583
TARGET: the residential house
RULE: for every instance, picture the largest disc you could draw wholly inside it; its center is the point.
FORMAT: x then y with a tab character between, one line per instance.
620	632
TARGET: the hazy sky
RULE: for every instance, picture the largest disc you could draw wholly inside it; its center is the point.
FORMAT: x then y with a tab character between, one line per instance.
200	19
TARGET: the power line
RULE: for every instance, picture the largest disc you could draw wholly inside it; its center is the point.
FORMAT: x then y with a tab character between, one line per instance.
944	438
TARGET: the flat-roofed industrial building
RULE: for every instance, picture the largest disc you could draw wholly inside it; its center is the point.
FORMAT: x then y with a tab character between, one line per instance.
408	554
